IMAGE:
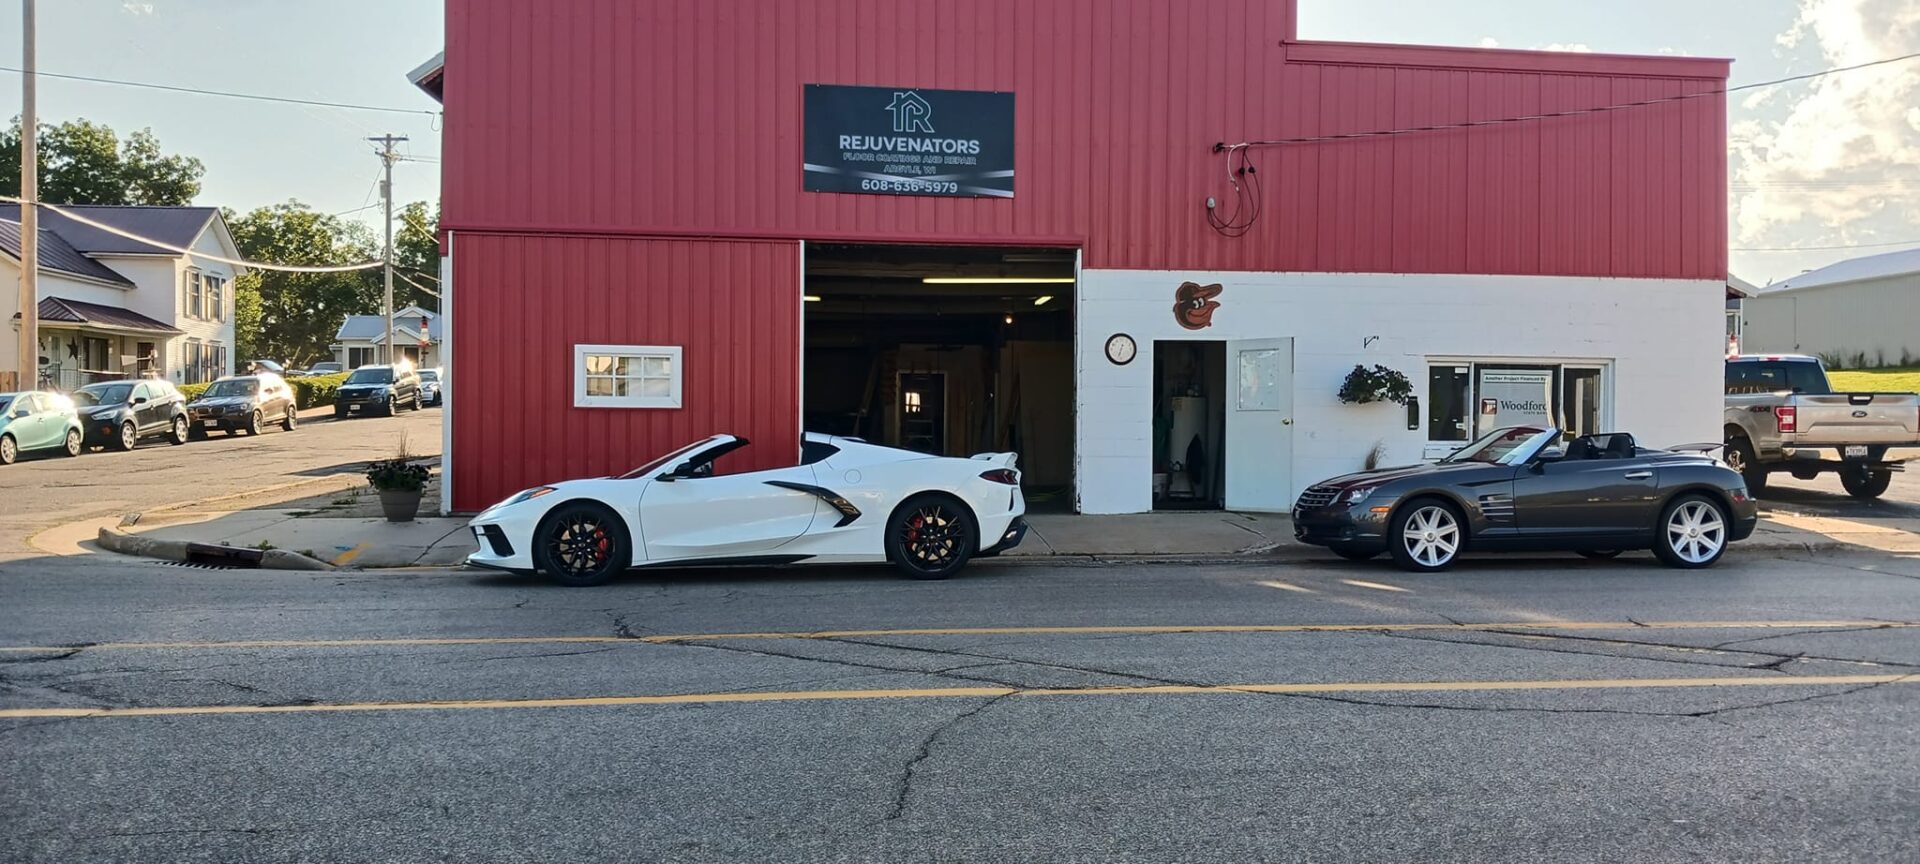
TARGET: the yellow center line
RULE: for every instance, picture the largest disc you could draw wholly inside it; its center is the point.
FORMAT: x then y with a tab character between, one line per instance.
961	631
973	692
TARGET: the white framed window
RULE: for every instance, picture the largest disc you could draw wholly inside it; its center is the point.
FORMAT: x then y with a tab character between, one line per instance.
626	376
1469	395
195	293
216	298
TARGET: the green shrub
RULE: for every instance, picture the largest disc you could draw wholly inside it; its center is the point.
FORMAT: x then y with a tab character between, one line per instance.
316	391
193	391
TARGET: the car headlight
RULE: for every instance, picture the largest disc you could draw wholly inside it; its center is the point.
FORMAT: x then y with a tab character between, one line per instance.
528	495
1359	494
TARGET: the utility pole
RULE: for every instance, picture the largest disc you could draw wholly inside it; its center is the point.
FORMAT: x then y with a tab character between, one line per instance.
29	213
387	157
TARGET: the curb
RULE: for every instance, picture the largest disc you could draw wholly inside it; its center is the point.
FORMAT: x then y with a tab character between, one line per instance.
115	540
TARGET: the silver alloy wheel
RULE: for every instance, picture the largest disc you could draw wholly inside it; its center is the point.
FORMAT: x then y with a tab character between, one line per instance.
128	436
73	442
9	451
1695	532
1431	536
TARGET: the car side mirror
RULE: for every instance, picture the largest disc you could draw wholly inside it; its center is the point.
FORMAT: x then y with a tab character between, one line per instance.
139	400
667	477
19	413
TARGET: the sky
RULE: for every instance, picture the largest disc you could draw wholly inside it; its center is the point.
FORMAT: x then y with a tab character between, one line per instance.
1834	162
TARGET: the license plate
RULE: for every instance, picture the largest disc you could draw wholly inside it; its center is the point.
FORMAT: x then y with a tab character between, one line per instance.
209	423
1856	452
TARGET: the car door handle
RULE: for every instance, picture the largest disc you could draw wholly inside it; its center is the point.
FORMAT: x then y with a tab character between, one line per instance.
1639	475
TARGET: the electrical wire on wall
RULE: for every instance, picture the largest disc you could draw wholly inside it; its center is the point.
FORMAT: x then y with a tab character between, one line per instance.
1243	177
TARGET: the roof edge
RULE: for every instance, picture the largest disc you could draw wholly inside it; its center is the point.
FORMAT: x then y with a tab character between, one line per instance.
1508	59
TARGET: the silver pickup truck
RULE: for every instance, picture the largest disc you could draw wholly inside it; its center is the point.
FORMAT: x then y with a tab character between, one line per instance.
1782	415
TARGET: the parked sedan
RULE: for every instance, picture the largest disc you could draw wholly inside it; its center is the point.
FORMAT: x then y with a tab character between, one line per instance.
243	403
121	413
1515	488
386	389
37	420
430	387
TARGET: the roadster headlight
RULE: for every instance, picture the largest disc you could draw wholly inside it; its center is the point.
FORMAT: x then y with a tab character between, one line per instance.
1359	494
528	495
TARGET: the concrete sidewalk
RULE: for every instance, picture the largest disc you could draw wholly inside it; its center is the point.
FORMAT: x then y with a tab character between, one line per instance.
348	533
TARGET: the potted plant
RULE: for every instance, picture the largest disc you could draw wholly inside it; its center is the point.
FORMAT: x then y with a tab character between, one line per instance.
399	483
1378	384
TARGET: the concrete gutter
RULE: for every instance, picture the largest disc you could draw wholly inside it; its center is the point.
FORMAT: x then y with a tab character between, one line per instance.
116	540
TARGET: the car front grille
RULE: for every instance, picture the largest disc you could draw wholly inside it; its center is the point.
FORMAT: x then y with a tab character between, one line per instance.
1317	496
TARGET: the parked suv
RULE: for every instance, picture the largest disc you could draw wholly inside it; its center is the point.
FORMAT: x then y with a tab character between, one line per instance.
327	367
243	403
121	413
378	388
37	420
1782	415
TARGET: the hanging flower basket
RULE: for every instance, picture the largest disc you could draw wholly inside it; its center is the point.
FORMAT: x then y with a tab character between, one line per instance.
1378	384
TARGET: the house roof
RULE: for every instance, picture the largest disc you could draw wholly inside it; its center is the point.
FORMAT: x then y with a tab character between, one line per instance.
1901	263
60	310
177	226
373	328
431	75
59	256
1738	288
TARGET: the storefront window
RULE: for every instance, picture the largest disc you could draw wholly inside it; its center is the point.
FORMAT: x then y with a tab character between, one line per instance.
1447	388
1465	399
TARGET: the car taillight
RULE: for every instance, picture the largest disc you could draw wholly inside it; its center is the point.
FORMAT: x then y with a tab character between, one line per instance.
1787	418
1002	475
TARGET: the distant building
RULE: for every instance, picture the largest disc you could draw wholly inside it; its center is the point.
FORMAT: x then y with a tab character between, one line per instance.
416	332
113	307
1862	311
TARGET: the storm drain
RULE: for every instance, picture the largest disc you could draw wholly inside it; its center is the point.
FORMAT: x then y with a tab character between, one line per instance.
223	557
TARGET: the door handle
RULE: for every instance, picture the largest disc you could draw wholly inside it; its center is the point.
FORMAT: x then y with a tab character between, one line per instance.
1639	475
1287	421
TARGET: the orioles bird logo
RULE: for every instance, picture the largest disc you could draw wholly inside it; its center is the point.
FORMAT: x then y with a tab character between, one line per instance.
1193	305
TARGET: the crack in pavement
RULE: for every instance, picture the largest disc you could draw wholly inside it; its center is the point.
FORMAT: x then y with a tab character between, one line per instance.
527	656
1870	629
1696	648
1772	665
903	790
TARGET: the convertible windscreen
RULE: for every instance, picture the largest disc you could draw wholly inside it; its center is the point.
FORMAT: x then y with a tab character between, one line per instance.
1505	446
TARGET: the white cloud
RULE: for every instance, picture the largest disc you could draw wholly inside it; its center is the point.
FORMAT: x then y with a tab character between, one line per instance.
1843	163
137	8
1571	47
1489	42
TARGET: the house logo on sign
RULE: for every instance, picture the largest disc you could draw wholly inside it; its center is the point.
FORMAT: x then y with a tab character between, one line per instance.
911	113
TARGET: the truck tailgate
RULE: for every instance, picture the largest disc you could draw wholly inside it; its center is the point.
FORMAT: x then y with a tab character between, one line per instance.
1857	418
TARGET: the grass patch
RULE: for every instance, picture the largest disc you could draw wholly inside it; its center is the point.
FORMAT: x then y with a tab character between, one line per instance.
1901	379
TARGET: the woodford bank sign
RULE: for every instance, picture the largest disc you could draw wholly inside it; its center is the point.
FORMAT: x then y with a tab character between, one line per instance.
898	141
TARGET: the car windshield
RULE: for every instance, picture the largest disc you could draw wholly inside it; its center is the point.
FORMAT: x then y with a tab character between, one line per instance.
236	387
103	394
1505	446
648	469
371	376
6	403
429	375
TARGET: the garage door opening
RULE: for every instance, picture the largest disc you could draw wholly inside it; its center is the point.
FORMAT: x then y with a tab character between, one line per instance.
947	350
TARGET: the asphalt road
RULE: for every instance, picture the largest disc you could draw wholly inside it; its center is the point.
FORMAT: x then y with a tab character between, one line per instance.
1587	711
39	492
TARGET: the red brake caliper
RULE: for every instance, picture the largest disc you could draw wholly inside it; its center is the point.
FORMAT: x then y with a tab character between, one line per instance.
913	530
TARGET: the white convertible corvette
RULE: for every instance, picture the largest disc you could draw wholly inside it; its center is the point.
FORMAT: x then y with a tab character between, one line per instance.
848	501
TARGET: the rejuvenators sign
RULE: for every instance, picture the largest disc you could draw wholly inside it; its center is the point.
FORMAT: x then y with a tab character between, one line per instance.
897	141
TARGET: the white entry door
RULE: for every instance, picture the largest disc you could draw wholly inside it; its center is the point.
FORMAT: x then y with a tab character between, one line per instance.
1259	425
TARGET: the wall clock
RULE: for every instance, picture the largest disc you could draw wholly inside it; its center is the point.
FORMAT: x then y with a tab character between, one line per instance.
1120	349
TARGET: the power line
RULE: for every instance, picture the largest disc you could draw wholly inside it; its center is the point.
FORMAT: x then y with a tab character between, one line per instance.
1821	248
227	94
181	250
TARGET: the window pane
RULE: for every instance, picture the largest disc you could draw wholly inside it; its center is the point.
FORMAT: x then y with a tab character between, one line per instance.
623	366
599	364
661	387
1447	418
1581	398
1515	397
657	367
599	386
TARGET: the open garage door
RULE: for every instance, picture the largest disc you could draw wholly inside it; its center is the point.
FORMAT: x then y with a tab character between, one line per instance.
946	349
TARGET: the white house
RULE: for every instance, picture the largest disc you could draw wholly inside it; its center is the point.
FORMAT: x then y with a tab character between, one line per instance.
114	307
1864	311
416	331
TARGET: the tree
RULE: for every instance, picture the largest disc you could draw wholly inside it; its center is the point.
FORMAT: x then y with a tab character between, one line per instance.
296	315
82	162
416	257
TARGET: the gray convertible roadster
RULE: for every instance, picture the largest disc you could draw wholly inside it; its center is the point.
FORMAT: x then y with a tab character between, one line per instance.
1516	488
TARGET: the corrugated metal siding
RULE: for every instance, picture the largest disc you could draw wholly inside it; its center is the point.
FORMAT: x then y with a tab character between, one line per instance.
683	116
522	303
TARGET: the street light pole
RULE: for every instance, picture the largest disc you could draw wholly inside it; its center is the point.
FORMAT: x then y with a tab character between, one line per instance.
29	354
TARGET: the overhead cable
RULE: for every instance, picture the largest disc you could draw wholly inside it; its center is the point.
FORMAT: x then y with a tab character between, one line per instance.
181	250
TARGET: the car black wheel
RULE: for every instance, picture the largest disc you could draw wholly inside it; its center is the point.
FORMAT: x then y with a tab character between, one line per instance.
180	432
1863	482
931	537
391	406
339	413
291	421
1692	532
196	433
1426	535
128	436
1741	458
581	544
253	423
73	442
1599	554
1355	553
9	450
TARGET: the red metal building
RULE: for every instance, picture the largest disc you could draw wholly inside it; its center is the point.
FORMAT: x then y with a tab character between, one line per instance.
619	173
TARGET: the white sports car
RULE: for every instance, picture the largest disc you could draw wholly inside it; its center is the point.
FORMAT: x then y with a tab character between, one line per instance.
848	501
